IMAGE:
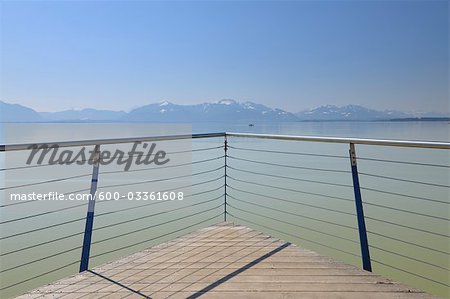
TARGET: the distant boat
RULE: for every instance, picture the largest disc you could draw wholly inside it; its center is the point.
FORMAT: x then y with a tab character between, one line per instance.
251	125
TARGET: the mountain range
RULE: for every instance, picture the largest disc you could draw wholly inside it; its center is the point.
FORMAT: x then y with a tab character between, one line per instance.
224	110
349	112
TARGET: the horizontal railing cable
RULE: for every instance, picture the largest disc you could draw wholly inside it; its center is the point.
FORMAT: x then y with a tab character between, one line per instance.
292	201
403	180
163	167
43	213
75	162
154	238
405	195
79	233
150	215
289	166
288	153
46	182
182	152
81	205
406	211
164	179
167	153
151	203
161	223
43	228
87	189
178	188
411	273
37	165
136	207
290	178
408	227
295	236
206	191
404	162
409	257
67	208
291	190
184	186
42	243
294	214
120	235
40	275
294	224
40	259
408	243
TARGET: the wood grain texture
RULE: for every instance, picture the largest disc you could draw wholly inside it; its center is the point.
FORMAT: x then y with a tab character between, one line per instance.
226	261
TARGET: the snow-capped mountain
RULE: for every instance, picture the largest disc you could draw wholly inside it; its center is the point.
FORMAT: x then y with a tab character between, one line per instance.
223	110
349	112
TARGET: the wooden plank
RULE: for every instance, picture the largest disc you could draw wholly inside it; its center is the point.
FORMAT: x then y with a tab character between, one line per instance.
275	287
224	261
287	295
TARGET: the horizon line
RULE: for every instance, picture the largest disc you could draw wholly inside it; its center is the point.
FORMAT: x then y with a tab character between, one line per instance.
217	102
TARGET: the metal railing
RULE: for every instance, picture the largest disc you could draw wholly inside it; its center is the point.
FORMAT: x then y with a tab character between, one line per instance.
233	205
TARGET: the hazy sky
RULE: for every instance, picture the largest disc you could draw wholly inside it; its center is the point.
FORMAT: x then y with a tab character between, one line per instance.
290	54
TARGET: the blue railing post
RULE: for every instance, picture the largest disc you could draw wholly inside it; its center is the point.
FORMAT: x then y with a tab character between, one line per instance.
84	264
225	186
360	212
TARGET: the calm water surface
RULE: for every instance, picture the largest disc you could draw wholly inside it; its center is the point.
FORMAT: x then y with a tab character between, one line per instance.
408	234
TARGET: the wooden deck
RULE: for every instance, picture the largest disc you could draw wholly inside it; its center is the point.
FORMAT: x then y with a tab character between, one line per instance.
225	261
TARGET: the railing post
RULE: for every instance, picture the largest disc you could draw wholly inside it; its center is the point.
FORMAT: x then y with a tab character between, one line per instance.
225	195
360	212
84	264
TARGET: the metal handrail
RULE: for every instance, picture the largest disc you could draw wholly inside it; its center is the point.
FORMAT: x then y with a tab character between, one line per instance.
346	140
384	142
26	146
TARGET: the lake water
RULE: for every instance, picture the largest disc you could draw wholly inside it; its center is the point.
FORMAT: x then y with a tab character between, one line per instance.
303	198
